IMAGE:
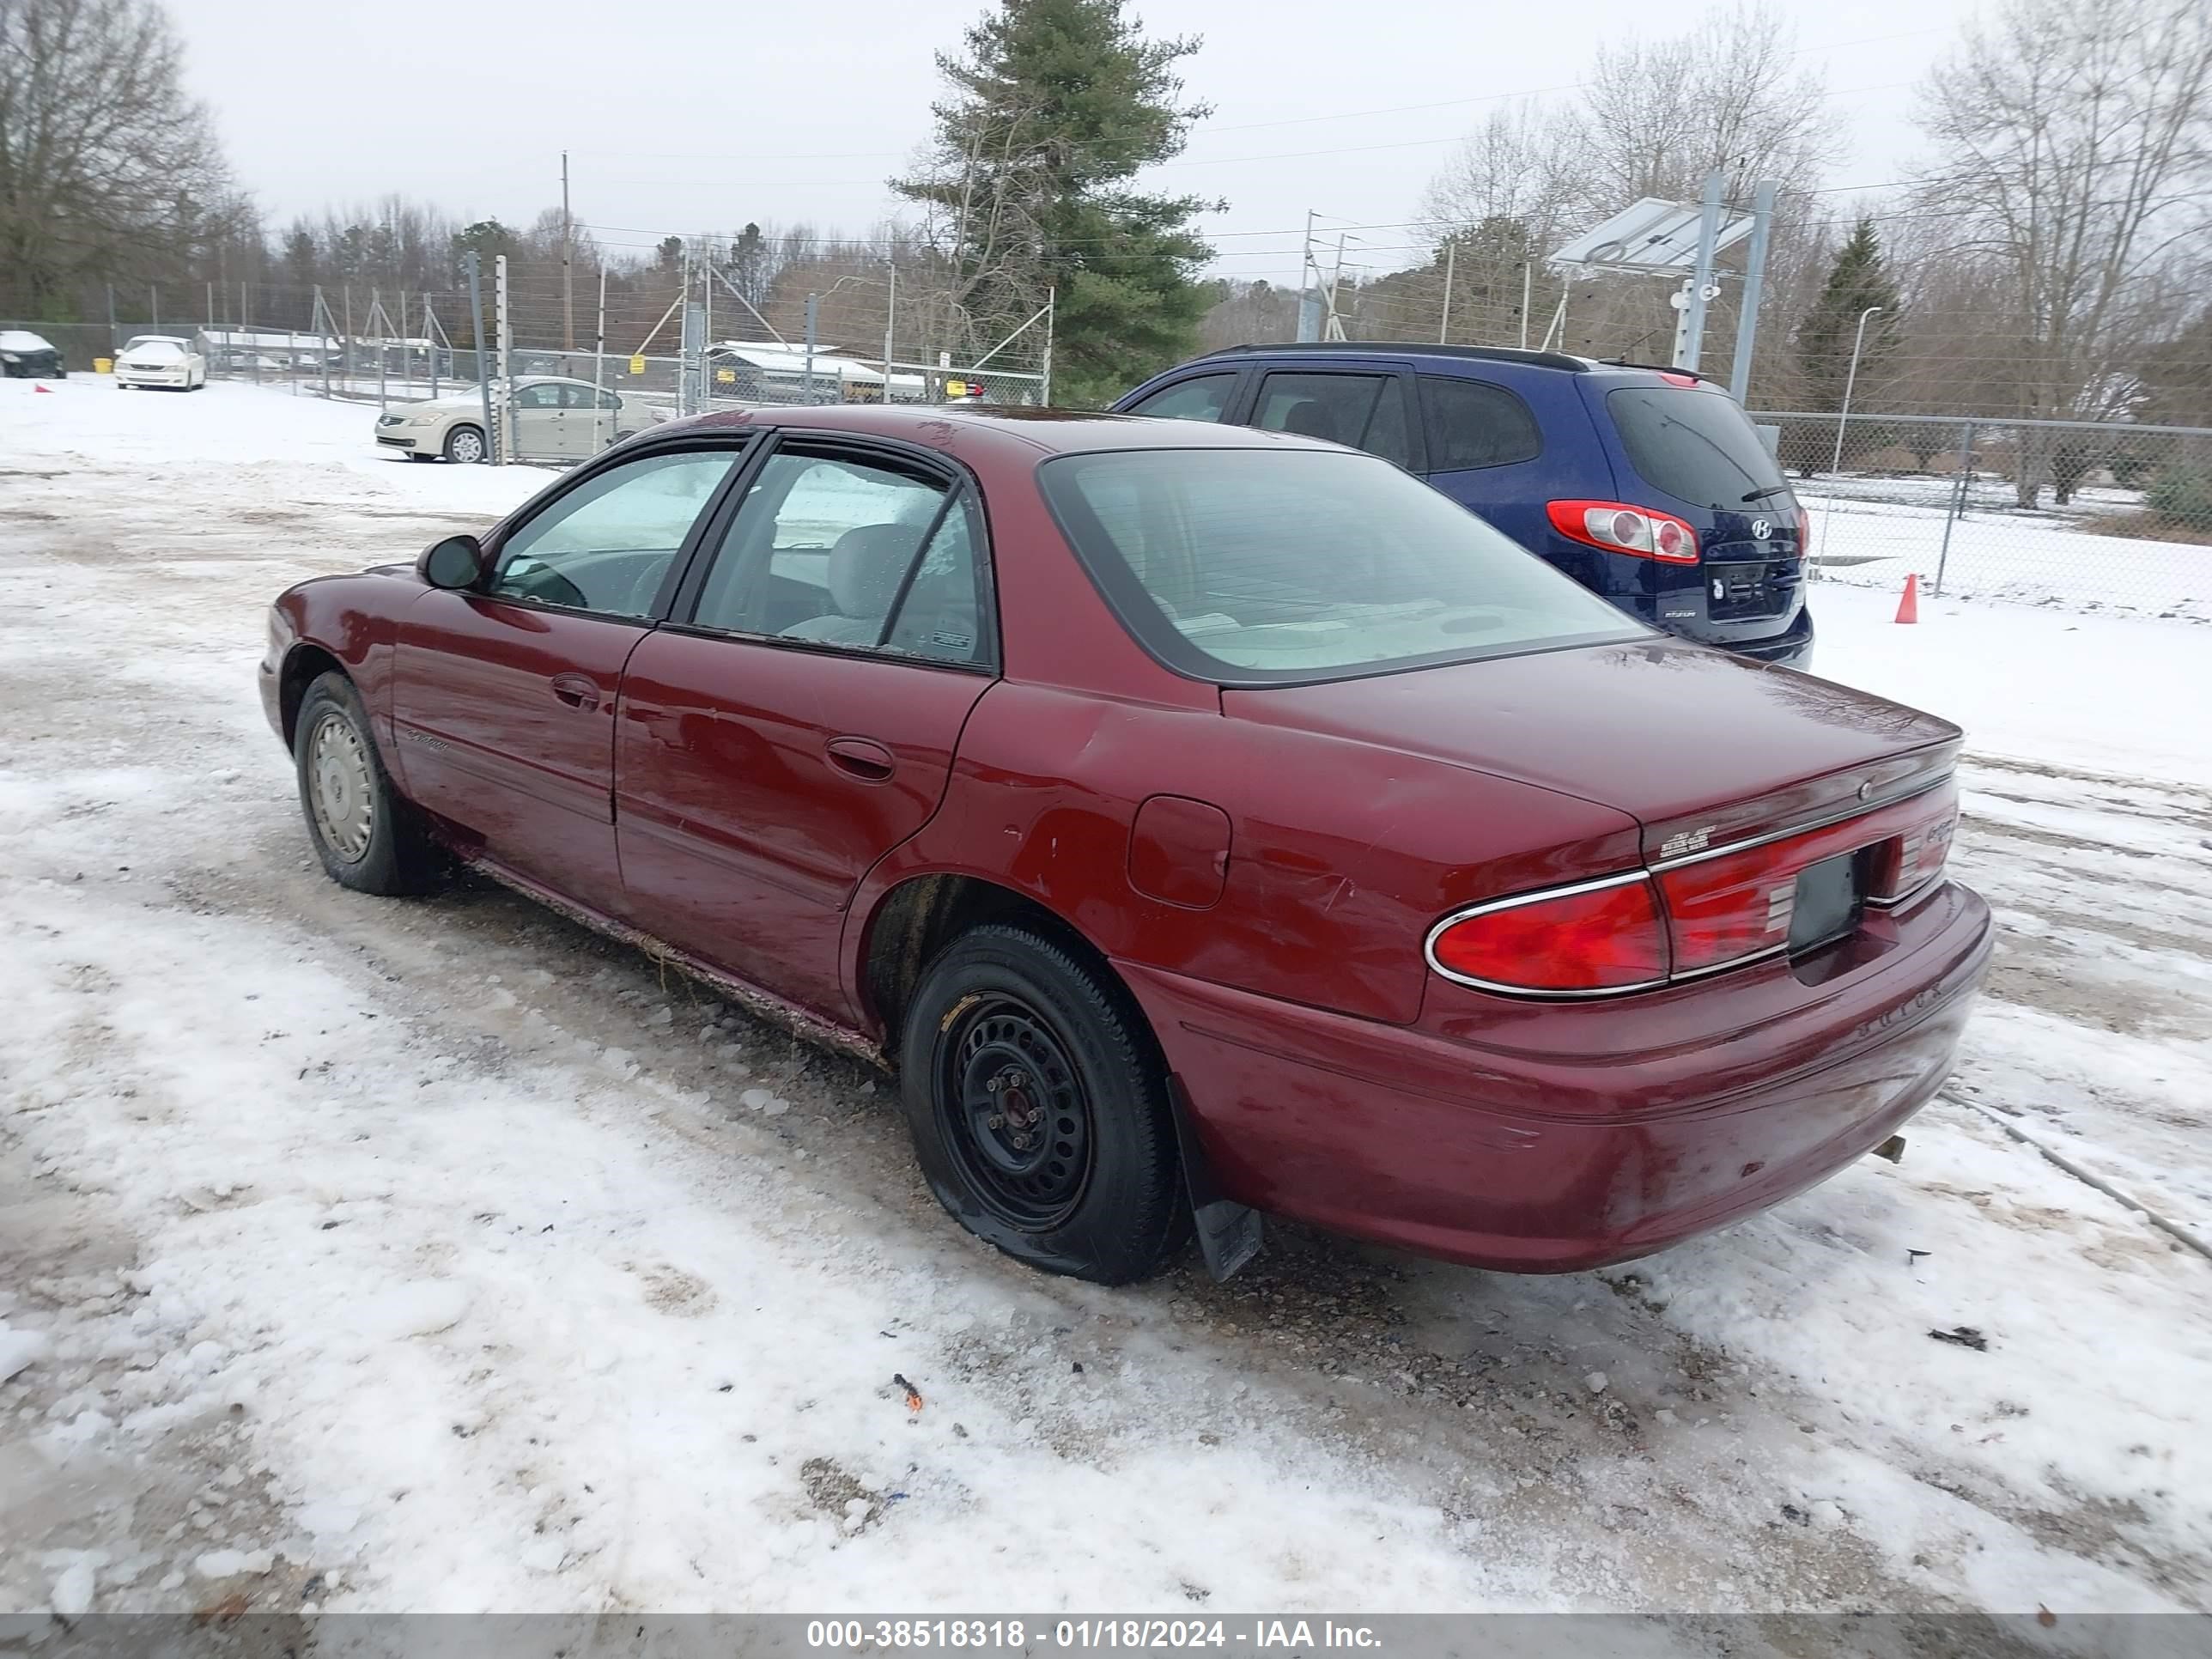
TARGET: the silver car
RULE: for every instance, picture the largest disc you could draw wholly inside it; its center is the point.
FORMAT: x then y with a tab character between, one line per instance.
554	418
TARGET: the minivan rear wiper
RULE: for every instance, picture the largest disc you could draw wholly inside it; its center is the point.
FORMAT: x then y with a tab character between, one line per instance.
1771	489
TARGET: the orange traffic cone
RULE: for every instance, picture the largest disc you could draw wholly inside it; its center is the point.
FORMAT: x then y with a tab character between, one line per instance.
42	388
1908	608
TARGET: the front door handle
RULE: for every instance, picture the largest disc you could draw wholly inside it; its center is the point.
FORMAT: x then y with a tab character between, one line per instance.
862	758
577	690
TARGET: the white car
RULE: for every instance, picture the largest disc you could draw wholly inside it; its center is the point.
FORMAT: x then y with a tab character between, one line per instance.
555	419
152	362
137	340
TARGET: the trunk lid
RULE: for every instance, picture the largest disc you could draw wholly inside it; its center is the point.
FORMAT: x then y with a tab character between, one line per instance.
1699	748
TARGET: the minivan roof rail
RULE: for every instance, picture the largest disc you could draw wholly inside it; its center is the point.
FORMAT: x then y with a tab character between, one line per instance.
1411	348
1657	368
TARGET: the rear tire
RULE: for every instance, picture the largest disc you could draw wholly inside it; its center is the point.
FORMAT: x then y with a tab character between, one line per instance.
1039	1108
368	836
465	444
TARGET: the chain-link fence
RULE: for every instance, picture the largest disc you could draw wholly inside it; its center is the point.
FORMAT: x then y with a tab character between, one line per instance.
630	348
2093	516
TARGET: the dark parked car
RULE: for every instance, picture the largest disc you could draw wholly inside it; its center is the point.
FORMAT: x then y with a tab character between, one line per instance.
25	355
1195	818
1650	486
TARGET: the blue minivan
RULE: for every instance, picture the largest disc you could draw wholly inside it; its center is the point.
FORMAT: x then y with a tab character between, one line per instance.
1648	485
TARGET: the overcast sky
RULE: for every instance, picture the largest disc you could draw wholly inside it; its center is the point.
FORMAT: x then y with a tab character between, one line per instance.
694	116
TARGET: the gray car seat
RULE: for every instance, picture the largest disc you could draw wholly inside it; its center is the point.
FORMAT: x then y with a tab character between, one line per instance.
865	567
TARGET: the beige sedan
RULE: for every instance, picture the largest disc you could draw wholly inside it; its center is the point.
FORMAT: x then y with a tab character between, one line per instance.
555	419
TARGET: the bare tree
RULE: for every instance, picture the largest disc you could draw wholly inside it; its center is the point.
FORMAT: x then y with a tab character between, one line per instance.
1517	165
1657	116
105	164
2076	158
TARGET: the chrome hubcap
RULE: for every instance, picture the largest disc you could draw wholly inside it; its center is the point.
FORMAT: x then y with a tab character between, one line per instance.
340	790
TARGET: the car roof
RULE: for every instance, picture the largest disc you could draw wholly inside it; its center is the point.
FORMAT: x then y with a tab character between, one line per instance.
1047	431
1556	360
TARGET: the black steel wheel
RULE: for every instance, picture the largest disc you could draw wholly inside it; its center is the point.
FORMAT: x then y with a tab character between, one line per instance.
1038	1103
1012	1108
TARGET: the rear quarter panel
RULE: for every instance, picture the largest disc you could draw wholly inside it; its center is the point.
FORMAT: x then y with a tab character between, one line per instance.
1341	853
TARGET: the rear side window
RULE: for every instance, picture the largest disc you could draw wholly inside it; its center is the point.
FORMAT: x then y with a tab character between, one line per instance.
1473	424
1366	411
1206	398
1698	446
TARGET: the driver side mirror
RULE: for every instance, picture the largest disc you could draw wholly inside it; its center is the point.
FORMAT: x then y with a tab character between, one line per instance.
455	562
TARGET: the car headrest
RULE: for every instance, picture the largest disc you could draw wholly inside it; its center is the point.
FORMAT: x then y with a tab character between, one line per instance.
1310	417
866	566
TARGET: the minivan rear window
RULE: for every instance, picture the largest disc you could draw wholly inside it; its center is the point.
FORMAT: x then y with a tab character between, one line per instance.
1698	446
1252	567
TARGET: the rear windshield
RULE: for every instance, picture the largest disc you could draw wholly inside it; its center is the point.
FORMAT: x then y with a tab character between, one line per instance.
1698	446
1255	567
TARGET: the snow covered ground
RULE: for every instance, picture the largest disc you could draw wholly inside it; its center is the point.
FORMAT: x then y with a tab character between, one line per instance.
1870	531
365	1255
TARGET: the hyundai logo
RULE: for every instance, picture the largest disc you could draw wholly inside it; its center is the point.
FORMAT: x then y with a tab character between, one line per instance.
1760	530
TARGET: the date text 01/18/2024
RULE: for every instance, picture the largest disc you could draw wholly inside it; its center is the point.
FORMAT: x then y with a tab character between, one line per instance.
1277	1634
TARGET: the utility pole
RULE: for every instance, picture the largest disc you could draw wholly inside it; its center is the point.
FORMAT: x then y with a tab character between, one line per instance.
1308	286
891	322
1334	328
568	248
473	262
813	302
1689	338
1451	259
1754	286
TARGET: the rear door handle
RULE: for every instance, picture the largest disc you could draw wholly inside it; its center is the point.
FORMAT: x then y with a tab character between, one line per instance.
862	758
577	690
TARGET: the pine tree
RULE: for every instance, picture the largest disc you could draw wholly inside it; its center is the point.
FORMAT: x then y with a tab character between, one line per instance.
1859	278
1055	106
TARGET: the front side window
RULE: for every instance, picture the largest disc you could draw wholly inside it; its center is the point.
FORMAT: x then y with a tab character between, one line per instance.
1253	566
1206	398
821	548
606	546
1366	411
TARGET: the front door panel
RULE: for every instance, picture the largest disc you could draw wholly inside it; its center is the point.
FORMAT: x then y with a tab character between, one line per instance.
504	718
756	784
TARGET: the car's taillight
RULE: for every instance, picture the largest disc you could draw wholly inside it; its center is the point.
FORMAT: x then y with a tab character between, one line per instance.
1914	859
1731	907
1804	534
1619	527
1582	940
1690	915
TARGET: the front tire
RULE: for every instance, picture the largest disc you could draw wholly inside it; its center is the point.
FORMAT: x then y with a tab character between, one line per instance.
1039	1108
368	837
465	444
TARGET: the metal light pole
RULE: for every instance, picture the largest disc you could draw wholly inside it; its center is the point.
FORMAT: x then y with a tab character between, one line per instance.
1754	284
813	305
1843	417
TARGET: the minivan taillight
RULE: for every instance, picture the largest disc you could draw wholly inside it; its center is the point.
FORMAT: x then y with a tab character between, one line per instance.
1619	527
1584	940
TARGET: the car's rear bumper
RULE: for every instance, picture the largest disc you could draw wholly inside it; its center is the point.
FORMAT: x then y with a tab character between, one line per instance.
1551	1159
1792	648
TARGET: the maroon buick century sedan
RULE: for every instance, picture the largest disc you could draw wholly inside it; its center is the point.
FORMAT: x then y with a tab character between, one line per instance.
1201	822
